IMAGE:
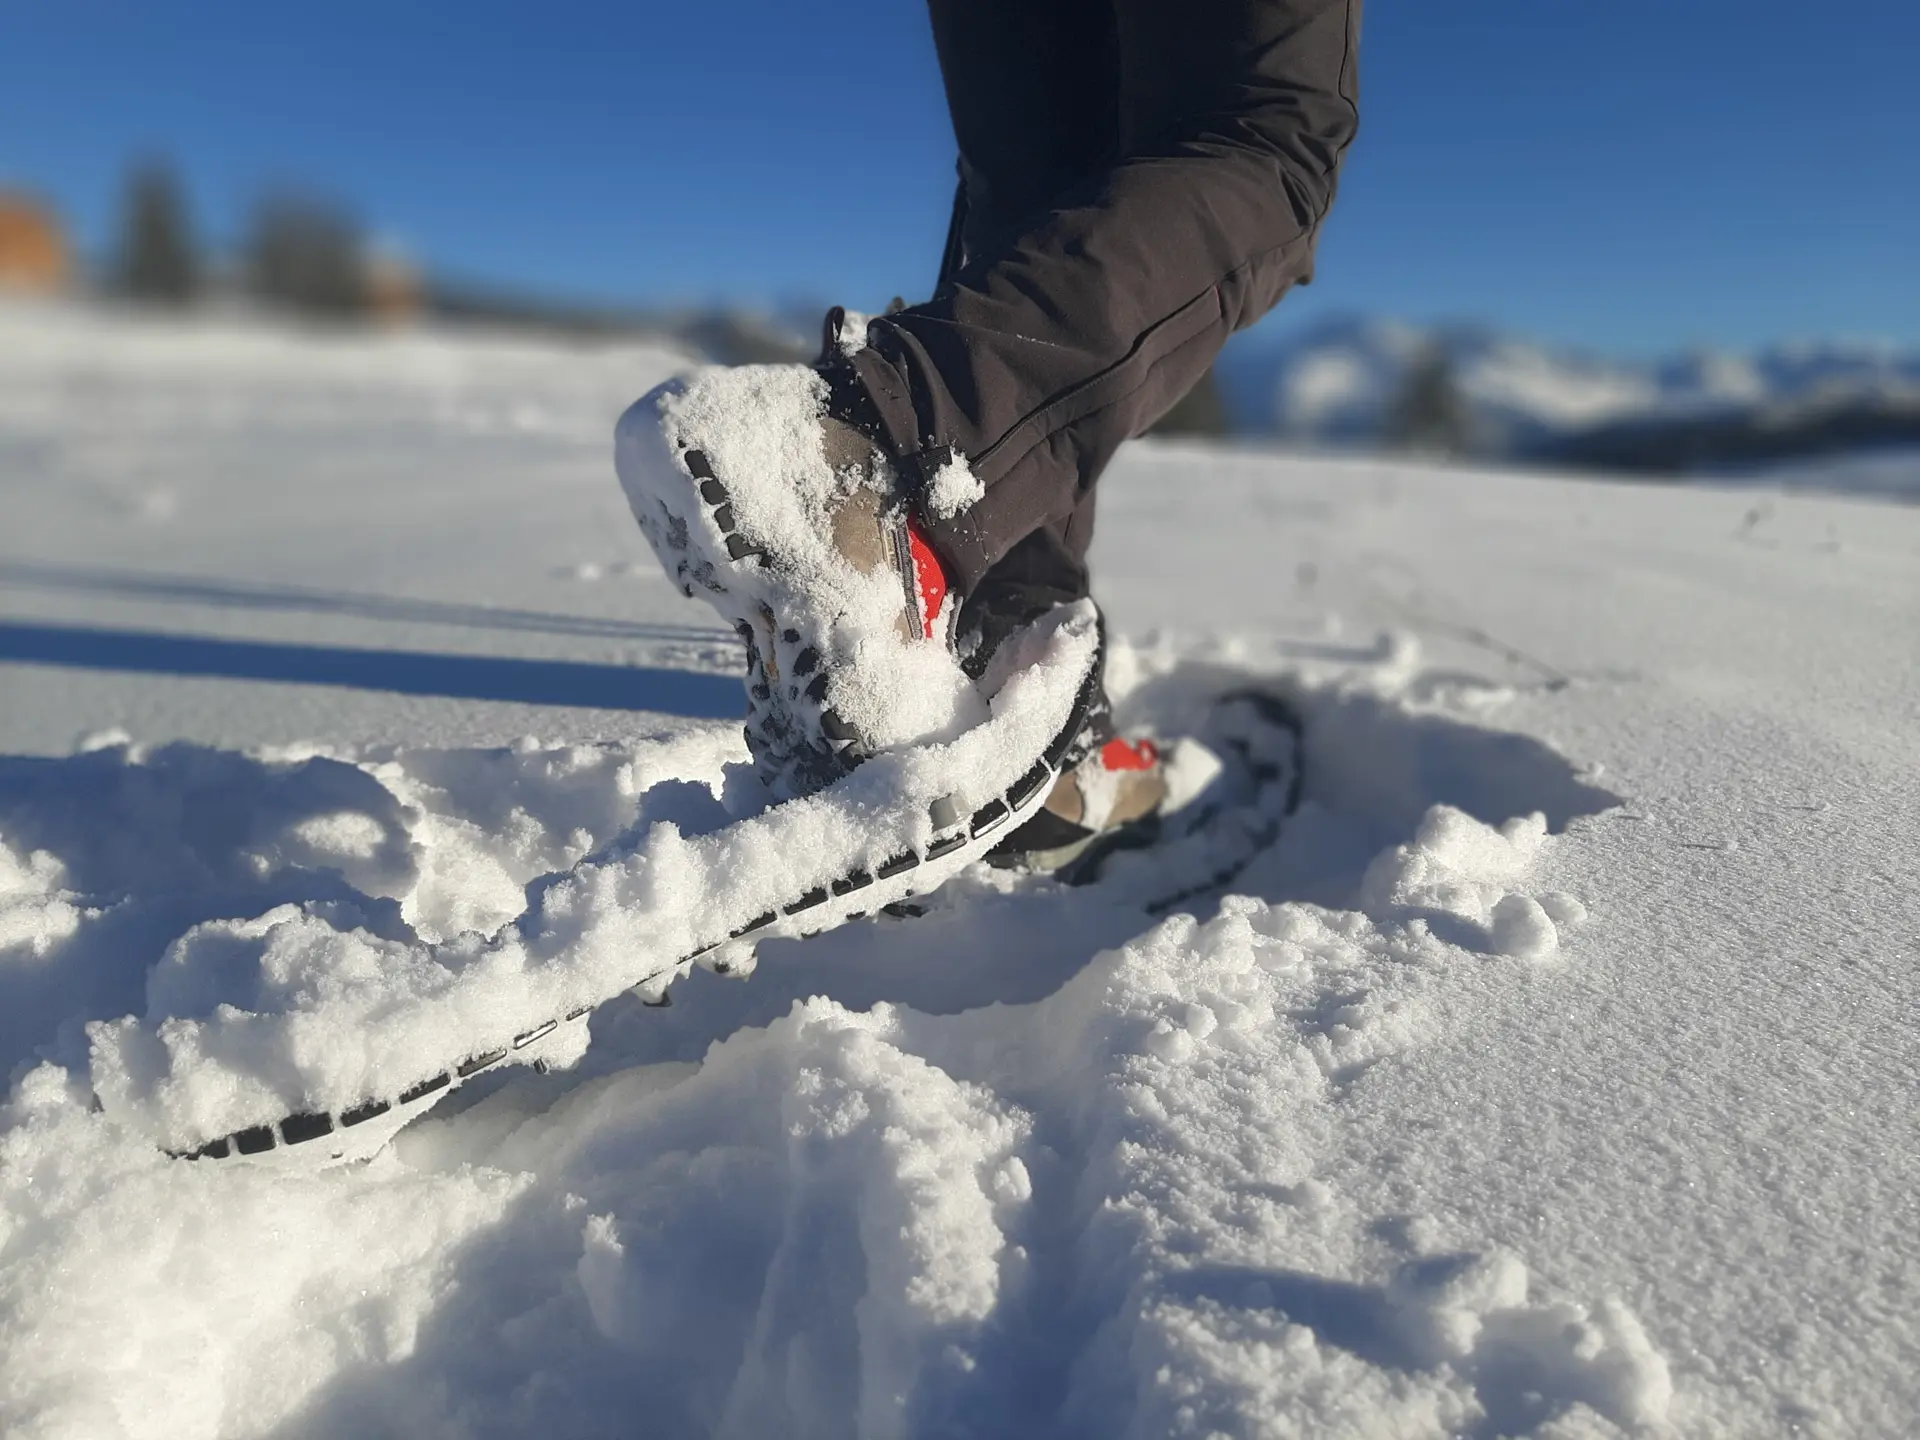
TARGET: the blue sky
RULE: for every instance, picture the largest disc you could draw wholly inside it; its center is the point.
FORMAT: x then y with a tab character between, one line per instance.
1624	175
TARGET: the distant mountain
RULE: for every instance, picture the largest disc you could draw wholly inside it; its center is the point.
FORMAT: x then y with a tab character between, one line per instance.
1372	382
721	335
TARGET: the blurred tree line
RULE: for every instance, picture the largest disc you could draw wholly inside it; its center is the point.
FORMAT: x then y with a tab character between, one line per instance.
1430	416
308	257
299	254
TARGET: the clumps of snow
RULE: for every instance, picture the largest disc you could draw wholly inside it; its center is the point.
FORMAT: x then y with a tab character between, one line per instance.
1473	1307
760	429
489	821
1522	928
36	912
884	1192
1469	1311
1460	869
345	833
953	488
852	338
143	1297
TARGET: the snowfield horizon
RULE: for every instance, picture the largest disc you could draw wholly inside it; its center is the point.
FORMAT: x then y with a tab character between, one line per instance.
1553	1074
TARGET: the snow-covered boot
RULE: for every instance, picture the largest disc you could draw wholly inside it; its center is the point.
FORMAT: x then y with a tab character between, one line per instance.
795	527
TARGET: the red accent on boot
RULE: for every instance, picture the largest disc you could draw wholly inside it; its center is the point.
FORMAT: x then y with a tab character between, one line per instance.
1118	754
929	578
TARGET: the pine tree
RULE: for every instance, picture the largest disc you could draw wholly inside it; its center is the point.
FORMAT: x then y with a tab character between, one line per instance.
1431	416
1201	411
307	256
156	259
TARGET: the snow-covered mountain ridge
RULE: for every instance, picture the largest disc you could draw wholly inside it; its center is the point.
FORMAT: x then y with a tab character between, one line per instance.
1344	381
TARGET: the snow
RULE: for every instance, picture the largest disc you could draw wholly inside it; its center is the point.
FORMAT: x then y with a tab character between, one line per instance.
954	488
1553	1075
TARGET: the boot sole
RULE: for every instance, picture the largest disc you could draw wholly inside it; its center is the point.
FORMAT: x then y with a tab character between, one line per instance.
799	741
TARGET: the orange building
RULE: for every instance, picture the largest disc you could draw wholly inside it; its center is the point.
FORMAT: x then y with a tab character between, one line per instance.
393	287
33	251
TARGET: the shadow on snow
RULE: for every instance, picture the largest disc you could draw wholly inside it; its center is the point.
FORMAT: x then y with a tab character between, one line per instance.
401	672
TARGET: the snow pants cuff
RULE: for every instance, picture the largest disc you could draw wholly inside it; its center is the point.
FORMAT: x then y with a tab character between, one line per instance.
946	383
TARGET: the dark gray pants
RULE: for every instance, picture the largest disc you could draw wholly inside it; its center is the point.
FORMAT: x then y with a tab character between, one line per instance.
1139	179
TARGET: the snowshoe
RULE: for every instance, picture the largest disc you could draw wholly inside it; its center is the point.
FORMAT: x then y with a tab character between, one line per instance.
427	1018
899	827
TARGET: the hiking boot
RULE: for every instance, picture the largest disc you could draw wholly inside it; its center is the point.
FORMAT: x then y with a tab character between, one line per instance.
1109	799
793	525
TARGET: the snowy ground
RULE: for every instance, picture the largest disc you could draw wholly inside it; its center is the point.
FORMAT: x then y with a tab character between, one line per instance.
1455	1121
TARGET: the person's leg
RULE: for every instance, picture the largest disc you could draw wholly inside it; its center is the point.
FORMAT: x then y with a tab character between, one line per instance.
1047	351
1033	89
